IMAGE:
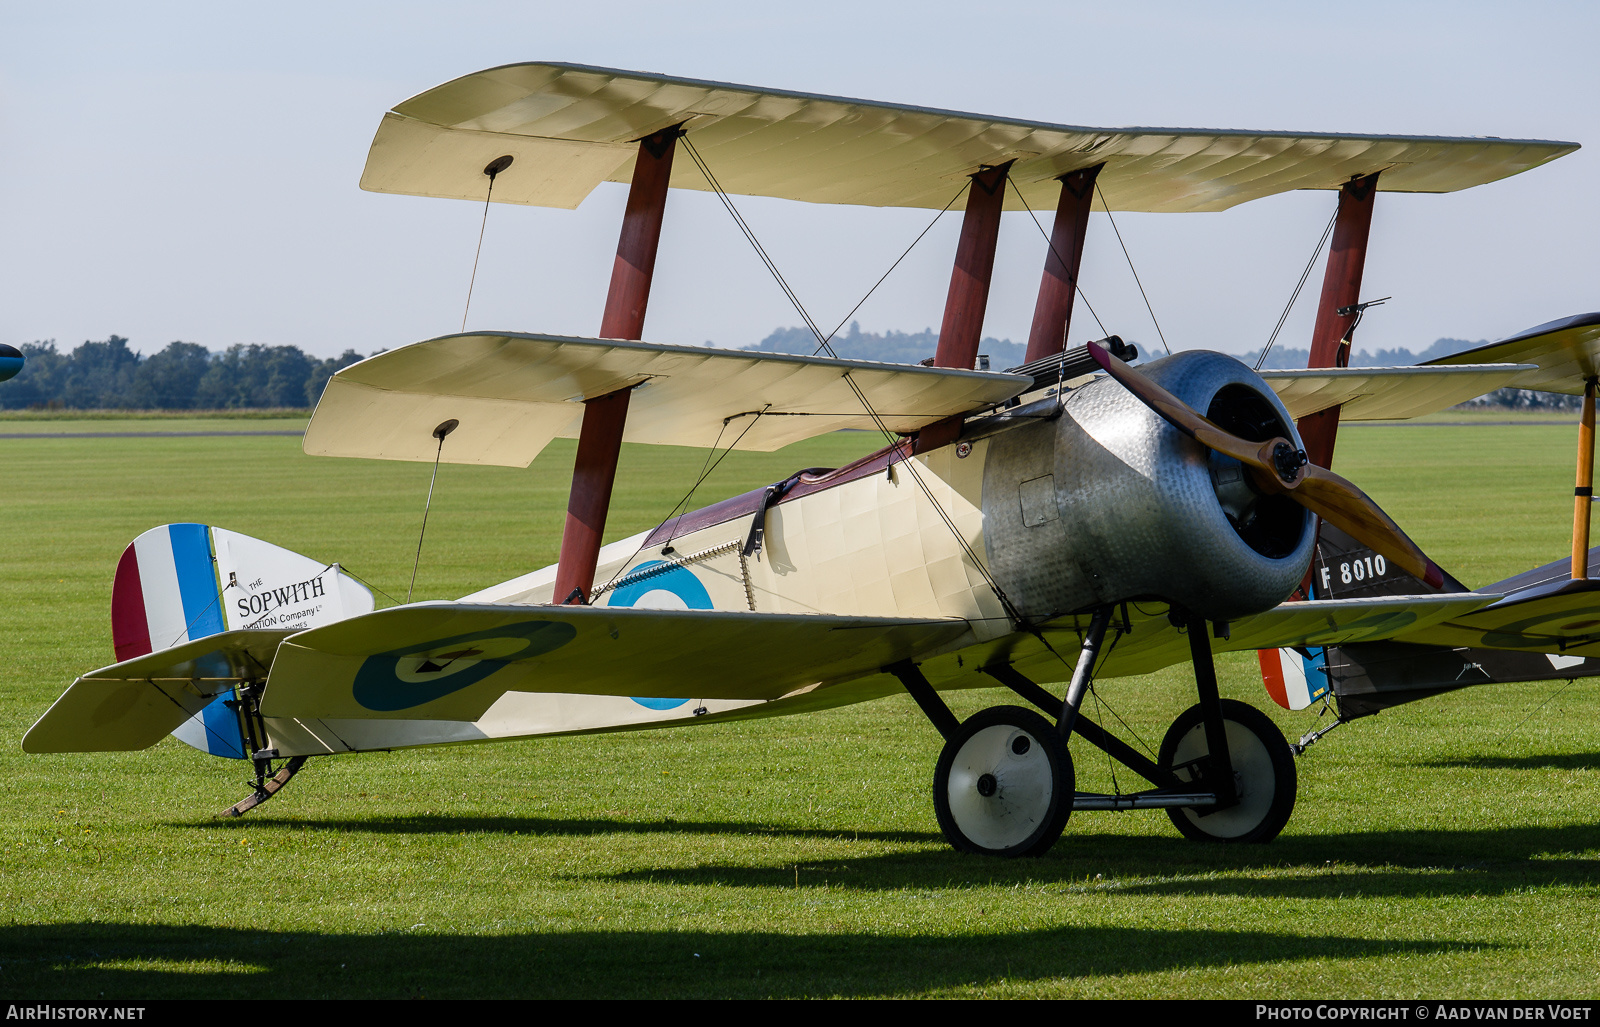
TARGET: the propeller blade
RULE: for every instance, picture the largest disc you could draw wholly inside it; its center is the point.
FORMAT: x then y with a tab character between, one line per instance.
1338	501
1275	458
1279	467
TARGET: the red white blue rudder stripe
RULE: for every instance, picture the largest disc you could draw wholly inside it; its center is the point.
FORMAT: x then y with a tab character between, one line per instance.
1294	681
181	582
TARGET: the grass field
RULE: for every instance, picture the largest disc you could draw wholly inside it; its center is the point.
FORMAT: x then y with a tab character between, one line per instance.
1447	849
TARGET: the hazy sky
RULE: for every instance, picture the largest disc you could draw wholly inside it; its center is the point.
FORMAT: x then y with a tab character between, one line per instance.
188	171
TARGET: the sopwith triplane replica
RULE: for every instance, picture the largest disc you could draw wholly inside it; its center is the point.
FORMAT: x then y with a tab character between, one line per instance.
1075	518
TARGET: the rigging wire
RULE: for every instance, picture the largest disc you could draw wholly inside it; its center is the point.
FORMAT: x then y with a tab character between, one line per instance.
1051	243
497	168
1541	705
369	584
1107	207
1295	296
438	433
889	436
896	264
680	508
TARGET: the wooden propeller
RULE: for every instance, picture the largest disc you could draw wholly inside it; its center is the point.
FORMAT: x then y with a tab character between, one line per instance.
1276	466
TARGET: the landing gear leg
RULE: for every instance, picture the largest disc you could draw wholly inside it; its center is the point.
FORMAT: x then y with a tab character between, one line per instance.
1004	784
1234	750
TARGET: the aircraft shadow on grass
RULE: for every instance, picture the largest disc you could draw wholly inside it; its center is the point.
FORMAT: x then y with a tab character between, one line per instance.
1375	863
536	826
131	961
1546	761
1390	863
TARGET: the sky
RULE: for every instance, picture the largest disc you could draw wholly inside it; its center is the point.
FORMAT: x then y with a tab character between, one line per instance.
188	171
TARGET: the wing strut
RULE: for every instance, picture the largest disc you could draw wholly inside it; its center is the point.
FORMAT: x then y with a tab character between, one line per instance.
600	439
1583	494
968	298
1341	291
1052	312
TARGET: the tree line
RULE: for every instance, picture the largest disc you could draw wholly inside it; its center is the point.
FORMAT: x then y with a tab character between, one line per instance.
185	376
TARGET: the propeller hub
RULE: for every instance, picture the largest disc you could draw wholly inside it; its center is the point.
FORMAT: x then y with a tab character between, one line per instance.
1288	462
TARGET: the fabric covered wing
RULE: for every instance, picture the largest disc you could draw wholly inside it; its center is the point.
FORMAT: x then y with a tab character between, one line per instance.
513	393
452	661
570	127
1566	353
1154	643
136	703
1388	393
1560	617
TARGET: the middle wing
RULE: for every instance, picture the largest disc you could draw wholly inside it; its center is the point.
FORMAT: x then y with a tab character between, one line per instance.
512	393
1388	393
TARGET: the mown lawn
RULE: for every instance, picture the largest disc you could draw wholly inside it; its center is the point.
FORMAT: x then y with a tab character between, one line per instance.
1445	849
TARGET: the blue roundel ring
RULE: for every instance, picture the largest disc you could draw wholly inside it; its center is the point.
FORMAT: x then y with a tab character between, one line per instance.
678	581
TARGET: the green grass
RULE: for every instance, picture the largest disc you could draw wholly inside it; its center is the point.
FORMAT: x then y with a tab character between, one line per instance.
1449	848
253	414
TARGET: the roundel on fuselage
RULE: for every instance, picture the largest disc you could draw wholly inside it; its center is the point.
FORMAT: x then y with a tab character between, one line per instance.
674	589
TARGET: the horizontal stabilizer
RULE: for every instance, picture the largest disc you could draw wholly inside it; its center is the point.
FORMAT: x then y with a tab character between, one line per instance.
513	393
569	127
1388	393
452	661
134	704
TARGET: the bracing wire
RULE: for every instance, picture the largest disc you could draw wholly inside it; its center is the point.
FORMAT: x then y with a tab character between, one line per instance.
425	508
1051	243
846	319
1294	296
681	507
861	397
1107	208
369	584
477	253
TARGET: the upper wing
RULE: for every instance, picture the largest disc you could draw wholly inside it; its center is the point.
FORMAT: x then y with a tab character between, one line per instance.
1388	393
136	703
570	128
513	393
452	661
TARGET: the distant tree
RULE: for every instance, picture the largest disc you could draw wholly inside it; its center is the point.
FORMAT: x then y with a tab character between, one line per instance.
889	347
99	375
169	380
255	376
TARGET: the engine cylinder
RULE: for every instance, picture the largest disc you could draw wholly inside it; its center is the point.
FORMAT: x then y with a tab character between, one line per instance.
1109	502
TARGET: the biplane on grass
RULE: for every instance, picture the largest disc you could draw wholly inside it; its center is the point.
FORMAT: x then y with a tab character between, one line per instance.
1070	519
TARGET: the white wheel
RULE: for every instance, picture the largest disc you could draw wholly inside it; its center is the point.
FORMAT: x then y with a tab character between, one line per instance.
1004	784
1263	774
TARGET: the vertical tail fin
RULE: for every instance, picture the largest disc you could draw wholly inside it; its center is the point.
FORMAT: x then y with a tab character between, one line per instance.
181	582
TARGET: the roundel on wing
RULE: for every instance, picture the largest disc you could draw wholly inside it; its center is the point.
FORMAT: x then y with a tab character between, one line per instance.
675	589
420	673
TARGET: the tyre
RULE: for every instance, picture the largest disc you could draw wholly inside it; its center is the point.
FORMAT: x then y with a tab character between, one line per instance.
1263	774
1004	784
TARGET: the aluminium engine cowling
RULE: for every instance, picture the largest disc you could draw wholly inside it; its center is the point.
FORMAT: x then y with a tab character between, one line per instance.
1109	502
